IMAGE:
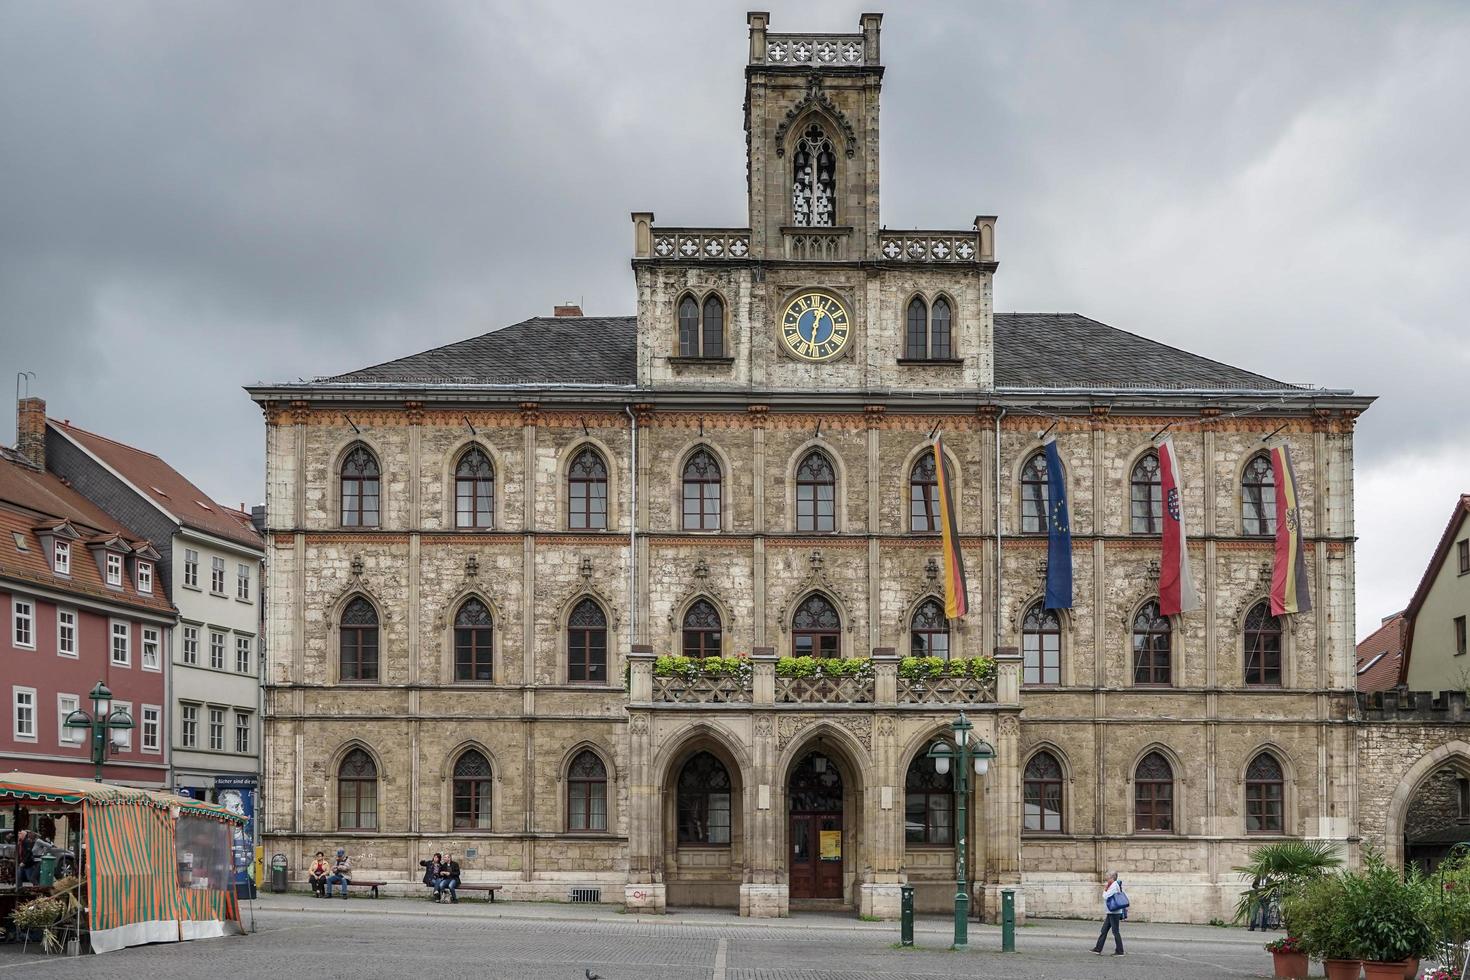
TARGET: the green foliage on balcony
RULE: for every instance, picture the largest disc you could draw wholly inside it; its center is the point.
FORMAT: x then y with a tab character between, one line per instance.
934	668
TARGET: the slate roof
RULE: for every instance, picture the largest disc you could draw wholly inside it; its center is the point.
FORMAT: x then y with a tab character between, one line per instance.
1032	350
165	486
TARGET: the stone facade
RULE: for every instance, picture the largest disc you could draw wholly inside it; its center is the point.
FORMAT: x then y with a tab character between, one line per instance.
758	412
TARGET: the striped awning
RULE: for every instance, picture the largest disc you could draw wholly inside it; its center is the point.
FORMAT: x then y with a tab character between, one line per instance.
29	786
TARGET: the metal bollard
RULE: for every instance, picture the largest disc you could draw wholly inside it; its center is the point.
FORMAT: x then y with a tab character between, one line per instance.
906	915
1007	920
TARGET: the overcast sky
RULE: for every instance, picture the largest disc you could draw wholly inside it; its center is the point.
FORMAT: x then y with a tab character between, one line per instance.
195	195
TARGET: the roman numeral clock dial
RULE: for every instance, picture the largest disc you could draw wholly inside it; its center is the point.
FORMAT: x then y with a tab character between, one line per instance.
815	327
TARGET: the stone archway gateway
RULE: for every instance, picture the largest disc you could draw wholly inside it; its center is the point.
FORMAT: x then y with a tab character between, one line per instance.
814	798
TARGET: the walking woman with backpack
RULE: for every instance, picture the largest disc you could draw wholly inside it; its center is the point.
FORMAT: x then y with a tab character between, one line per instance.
1115	907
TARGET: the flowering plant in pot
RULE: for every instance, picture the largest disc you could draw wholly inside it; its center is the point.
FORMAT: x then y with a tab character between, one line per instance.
1289	957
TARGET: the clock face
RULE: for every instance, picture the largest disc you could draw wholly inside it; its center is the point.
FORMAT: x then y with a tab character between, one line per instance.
815	327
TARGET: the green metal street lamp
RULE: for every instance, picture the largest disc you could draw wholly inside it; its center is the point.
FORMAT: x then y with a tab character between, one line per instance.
102	720
966	749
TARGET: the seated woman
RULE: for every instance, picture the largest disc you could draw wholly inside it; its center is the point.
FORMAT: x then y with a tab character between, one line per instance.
431	872
317	875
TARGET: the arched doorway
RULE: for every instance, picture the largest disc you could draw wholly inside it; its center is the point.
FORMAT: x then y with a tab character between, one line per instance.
814	798
1438	815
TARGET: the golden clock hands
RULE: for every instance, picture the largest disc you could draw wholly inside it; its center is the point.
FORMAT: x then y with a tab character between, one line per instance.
816	324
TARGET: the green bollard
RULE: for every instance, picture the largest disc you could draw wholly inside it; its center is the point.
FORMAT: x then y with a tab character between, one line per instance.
906	915
1007	920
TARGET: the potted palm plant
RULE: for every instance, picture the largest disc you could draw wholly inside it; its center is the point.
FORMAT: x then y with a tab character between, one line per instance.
1276	871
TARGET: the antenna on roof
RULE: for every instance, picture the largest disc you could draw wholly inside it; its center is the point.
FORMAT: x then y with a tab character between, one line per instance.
27	376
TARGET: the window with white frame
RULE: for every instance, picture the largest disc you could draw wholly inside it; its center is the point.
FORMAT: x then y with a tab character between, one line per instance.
189	730
189	646
25	713
148	724
114	569
66	633
122	653
65	705
242	732
217	729
242	582
191	568
145	577
150	648
23	621
242	654
217	576
122	738
61	558
216	650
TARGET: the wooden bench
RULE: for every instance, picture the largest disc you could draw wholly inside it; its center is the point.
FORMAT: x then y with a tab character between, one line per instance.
489	890
366	884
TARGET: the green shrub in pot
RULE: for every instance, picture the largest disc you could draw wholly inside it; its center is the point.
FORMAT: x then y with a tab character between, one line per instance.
1389	913
1317	913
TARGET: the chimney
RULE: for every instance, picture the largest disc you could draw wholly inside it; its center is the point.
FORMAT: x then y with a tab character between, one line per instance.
257	518
570	309
30	431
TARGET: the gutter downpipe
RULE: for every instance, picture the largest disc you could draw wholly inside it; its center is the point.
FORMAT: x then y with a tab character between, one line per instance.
632	529
999	565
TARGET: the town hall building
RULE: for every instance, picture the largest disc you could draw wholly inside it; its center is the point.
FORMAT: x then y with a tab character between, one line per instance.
486	559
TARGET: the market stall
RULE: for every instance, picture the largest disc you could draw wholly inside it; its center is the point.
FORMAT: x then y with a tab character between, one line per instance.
153	867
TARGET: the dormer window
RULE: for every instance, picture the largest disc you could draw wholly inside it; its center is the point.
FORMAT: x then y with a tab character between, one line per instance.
814	181
145	576
61	558
114	569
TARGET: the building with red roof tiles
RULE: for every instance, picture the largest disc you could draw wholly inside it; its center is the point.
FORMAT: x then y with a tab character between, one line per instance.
1380	654
1435	642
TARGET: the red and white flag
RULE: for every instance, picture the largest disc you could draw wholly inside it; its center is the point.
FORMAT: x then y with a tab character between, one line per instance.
1176	585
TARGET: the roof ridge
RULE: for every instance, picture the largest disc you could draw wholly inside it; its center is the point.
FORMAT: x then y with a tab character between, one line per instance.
66	424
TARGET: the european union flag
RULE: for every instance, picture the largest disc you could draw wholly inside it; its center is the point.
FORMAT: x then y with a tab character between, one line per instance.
1058	533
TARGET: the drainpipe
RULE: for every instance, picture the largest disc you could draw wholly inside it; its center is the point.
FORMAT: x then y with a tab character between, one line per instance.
998	563
632	529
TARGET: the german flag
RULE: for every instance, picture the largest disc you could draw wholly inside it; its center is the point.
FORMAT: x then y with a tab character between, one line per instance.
1289	589
956	591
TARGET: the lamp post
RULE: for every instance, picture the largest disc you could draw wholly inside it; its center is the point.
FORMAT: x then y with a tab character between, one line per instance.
102	720
966	749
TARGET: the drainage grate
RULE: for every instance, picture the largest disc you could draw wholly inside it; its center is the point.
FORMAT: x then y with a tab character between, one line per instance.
586	895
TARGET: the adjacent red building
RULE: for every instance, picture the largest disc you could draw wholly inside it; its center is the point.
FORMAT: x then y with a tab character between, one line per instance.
82	602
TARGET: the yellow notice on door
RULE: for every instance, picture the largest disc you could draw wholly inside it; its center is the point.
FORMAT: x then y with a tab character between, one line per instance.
831	845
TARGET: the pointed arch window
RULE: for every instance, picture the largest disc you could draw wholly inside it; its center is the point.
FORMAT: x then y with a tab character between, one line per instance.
474	642
1262	647
472	782
928	330
587	793
816	493
587	492
712	338
916	332
814	180
357	792
816	629
688	327
704	801
1041	646
1152	656
924	495
1258	498
701	493
1147	496
474	490
1041	793
1265	796
702	630
358	641
1035	495
940	347
1153	795
928	806
929	631
359	486
587	644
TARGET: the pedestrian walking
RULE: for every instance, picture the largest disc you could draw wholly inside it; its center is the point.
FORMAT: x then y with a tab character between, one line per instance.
1115	909
341	873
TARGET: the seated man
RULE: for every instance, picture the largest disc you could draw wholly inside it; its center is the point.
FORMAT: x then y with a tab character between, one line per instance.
448	879
317	875
341	872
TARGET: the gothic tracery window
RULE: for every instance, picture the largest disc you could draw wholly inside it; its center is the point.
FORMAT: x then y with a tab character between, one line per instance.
1152	663
704	801
816	493
472	781
814	181
1262	647
1041	646
587	492
701	492
1146	496
816	629
701	630
701	326
688	327
1153	795
358	641
1035	495
927	330
357	792
1265	785
1258	498
929	631
587	793
928	816
359	481
587	643
1041	792
474	642
924	494
474	491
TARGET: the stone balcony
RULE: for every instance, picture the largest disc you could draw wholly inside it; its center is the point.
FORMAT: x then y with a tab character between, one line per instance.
879	687
803	243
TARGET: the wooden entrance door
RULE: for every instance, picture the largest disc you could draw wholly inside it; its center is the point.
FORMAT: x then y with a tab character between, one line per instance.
817	842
